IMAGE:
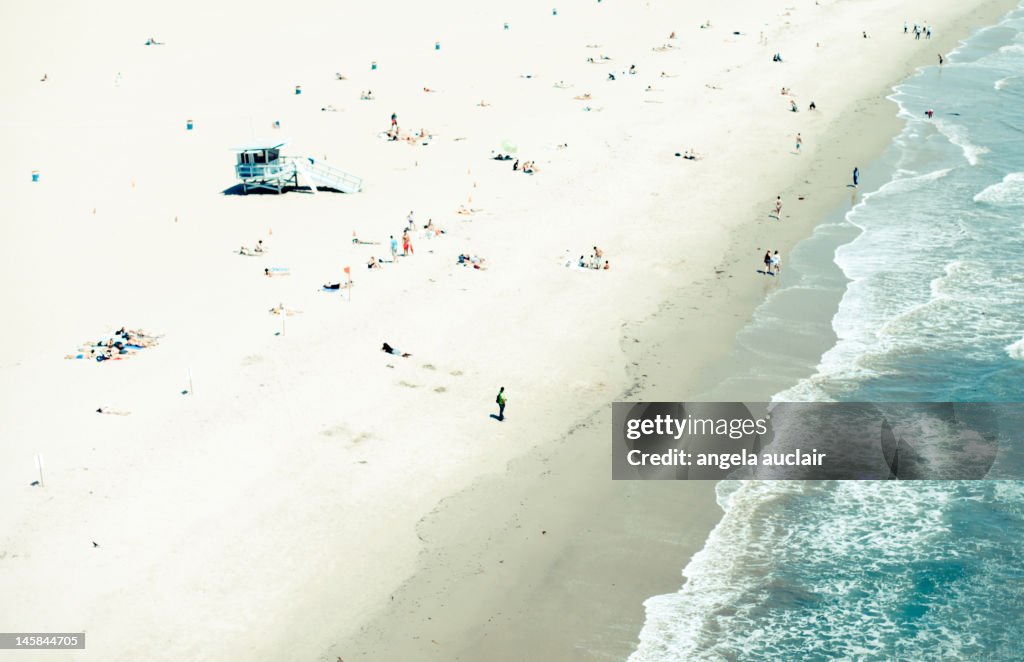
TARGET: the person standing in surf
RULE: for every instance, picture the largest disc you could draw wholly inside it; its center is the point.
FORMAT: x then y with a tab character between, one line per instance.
856	177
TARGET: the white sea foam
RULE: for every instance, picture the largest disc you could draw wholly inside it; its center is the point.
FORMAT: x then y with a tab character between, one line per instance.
1003	82
1007	193
1016	350
958	135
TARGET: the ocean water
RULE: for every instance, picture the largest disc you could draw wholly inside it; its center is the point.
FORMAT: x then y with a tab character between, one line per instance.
931	309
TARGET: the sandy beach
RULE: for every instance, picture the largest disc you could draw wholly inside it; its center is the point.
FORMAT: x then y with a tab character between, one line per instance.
278	487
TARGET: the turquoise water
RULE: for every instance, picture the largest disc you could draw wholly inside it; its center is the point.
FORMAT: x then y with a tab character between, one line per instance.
931	309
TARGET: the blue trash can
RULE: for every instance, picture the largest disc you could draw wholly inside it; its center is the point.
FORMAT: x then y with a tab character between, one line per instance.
437	45
554	12
188	125
373	66
298	89
35	175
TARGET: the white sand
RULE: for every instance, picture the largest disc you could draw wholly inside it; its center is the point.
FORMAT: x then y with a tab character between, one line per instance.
273	512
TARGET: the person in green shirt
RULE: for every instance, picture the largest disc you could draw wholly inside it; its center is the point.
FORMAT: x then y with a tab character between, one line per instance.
501	403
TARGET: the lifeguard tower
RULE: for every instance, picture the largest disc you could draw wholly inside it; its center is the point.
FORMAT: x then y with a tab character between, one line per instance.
260	165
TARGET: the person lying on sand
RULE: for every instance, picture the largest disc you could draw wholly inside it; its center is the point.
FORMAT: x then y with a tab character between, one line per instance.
428	90
328	109
483	104
374	263
691	155
433	229
366	96
338	286
498	156
276	272
279	308
112	412
529	167
113	355
339	76
562	85
388	349
357	240
582	97
475	261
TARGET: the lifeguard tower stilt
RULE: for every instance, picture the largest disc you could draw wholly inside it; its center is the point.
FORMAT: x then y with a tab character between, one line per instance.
261	166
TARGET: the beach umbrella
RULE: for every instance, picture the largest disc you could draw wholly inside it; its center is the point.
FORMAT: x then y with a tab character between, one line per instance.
509	146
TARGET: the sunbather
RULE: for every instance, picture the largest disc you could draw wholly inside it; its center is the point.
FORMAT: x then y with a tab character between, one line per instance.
388	349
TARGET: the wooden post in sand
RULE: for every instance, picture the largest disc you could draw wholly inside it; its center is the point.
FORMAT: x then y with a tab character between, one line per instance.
348	273
39	466
284	314
191	391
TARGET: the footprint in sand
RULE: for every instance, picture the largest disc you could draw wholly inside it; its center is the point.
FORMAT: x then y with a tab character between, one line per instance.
440	389
336	431
407	384
455	373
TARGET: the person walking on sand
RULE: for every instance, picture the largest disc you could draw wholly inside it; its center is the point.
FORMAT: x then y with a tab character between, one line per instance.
799	142
942	60
776	265
394	120
778	207
856	177
406	244
767	263
394	249
501	400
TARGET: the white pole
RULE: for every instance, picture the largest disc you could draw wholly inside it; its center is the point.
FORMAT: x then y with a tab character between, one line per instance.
39	466
284	314
191	391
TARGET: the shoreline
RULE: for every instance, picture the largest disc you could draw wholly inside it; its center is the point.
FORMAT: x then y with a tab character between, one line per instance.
307	483
519	620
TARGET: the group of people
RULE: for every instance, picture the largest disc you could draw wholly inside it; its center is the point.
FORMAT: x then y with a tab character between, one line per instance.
919	31
254	251
529	167
123	343
596	261
772	263
422	136
430	230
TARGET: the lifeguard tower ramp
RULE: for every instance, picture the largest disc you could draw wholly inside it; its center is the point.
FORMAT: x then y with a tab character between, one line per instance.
261	166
